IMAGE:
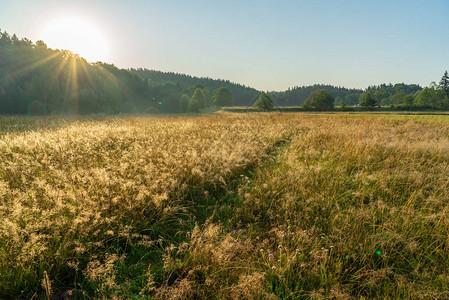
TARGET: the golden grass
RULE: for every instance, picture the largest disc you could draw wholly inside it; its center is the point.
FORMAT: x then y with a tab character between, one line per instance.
354	207
226	206
66	192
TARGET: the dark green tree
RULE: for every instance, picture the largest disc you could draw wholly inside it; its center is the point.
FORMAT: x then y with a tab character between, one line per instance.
339	100
396	98
428	97
444	84
381	97
265	101
223	97
184	103
199	97
207	96
194	106
320	100
41	45
111	95
87	102
352	98
367	101
408	100
170	95
5	38
206	99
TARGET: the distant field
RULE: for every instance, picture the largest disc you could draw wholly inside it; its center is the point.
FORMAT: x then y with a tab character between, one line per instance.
348	109
240	206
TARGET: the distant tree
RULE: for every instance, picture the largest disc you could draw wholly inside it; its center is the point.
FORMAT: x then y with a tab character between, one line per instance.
44	88
444	84
112	95
41	45
14	39
400	88
367	100
381	97
199	97
194	106
184	103
396	98
306	105
407	101
206	100
207	96
429	97
87	102
223	97
352	98
444	103
5	38
170	95
320	100
199	86
265	101
339	100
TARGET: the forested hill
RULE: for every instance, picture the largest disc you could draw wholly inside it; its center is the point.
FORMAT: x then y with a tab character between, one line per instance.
243	95
37	80
297	95
386	94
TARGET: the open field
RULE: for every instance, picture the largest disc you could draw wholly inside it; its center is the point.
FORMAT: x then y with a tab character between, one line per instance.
252	206
338	110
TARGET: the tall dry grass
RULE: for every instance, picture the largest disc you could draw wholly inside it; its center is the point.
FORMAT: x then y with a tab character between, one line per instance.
247	206
355	206
76	199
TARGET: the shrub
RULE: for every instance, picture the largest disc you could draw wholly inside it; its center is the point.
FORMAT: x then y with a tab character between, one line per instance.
265	102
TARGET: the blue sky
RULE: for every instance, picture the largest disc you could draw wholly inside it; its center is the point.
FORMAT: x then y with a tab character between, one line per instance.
269	45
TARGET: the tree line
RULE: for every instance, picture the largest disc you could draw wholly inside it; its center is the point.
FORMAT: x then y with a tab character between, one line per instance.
435	96
243	95
388	96
297	95
37	80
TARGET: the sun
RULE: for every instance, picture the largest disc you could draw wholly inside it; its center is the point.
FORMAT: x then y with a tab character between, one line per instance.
77	35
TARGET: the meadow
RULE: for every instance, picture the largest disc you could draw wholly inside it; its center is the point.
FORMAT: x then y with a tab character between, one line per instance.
225	206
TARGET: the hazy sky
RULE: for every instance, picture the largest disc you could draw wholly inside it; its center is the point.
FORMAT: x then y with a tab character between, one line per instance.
269	45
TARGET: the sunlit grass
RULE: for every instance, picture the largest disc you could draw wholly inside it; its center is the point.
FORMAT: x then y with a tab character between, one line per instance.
72	195
225	206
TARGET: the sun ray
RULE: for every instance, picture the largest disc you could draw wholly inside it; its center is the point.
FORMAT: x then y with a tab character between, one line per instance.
87	73
62	64
35	65
126	89
71	91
